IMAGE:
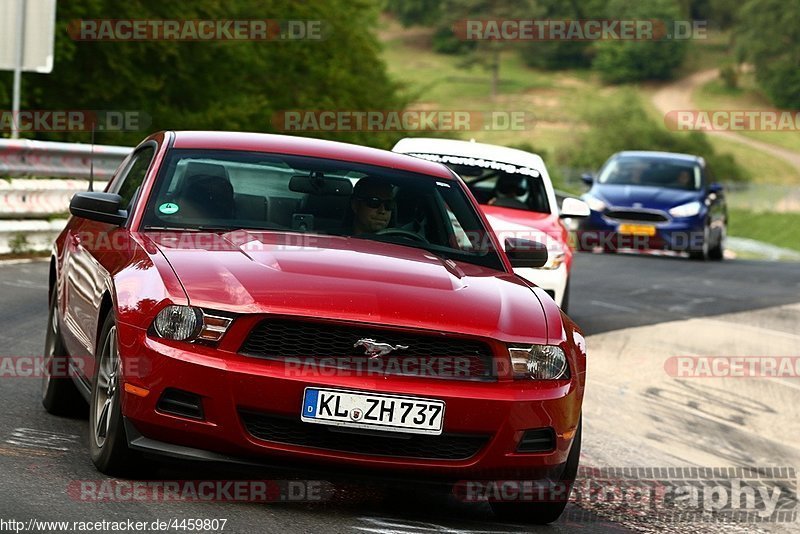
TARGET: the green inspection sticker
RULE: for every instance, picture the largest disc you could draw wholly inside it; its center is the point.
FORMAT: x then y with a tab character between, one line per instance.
168	208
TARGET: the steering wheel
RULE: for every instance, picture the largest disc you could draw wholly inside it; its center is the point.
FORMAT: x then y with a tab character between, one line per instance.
402	233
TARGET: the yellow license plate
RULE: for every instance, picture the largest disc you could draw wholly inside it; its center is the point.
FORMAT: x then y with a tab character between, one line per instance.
637	229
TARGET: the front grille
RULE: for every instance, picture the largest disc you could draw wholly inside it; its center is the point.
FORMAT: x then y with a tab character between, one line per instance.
332	345
637	215
292	431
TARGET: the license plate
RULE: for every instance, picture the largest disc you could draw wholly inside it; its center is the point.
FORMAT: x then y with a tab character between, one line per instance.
637	229
392	413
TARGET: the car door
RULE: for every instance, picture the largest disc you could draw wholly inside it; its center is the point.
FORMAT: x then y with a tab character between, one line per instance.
84	272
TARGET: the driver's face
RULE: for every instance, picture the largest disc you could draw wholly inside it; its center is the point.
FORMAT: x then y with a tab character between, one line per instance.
372	219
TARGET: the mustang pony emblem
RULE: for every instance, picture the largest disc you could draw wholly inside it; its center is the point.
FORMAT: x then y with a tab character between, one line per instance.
373	349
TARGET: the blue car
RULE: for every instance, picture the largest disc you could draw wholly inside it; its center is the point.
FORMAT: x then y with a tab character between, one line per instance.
655	200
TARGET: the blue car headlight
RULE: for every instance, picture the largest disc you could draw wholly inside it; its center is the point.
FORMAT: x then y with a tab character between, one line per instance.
687	210
595	203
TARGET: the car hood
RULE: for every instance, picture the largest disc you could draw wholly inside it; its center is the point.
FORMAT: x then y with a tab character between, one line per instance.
647	196
351	279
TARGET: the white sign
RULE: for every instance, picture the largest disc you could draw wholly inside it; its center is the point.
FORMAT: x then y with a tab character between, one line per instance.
39	34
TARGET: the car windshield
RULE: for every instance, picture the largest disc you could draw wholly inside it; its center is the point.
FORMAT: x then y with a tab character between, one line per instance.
498	184
654	172
232	190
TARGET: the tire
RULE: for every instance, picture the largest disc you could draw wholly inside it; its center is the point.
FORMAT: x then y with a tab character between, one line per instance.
108	444
60	396
543	513
717	253
703	253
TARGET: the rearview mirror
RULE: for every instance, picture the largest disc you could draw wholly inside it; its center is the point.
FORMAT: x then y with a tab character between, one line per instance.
574	208
96	206
587	178
526	253
715	188
317	183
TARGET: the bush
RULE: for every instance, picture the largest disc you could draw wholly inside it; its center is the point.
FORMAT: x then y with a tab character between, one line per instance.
624	125
767	36
631	61
446	42
729	76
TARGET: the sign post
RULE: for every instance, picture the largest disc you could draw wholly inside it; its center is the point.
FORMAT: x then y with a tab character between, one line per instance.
27	38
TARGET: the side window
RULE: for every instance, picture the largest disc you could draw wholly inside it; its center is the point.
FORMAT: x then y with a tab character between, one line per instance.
135	175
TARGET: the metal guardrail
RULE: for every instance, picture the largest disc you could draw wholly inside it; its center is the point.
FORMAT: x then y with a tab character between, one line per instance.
32	199
23	157
41	198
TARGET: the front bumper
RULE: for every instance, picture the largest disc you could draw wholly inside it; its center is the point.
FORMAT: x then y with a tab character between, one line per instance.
678	234
230	385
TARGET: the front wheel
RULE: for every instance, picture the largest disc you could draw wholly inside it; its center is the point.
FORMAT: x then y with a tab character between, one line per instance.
717	252
702	253
542	513
59	394
108	445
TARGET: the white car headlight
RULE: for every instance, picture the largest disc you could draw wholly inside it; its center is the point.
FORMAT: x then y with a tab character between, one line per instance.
539	362
555	257
686	210
178	323
595	204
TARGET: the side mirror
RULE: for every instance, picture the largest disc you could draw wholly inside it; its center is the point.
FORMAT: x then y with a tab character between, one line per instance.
574	208
715	188
102	207
526	253
587	178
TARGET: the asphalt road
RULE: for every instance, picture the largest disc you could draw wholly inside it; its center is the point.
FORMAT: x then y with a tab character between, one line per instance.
42	457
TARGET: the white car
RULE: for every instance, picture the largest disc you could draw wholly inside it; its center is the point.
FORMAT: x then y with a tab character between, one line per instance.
517	196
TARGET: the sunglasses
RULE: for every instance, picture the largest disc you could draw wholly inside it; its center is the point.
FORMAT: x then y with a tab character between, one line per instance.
375	202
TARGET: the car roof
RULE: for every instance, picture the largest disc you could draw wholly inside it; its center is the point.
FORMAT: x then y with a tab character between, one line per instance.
307	146
655	154
454	147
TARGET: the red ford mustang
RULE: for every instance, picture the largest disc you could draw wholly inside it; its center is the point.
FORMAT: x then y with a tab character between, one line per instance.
270	299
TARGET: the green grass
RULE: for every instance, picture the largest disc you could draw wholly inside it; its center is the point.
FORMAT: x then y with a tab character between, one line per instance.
558	101
763	168
715	95
708	53
780	229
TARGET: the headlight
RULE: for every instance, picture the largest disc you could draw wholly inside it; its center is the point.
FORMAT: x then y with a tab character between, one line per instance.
686	210
540	362
178	323
555	257
595	204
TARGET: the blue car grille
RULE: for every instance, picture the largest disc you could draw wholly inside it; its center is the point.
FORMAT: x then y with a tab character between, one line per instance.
637	215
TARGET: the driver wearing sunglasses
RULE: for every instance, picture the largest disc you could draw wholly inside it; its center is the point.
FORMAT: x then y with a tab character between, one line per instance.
372	204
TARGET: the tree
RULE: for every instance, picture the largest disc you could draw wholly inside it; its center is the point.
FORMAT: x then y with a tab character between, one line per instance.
225	85
415	12
767	36
486	53
557	55
630	61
